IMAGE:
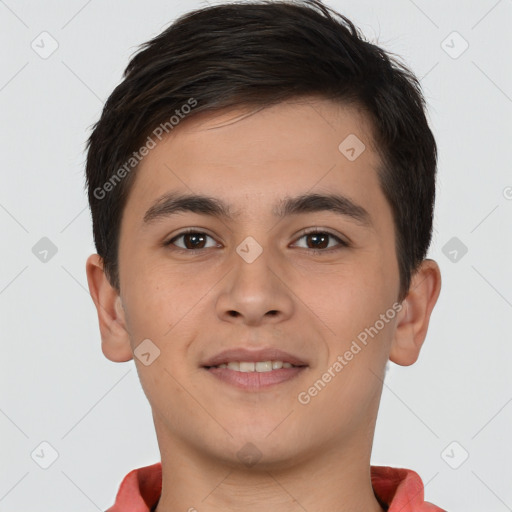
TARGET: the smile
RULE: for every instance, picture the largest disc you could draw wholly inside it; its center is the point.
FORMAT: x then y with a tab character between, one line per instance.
258	366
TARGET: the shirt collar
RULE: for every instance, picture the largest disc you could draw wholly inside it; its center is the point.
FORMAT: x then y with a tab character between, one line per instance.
400	489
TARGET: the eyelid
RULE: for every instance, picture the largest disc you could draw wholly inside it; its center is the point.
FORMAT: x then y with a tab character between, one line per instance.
343	242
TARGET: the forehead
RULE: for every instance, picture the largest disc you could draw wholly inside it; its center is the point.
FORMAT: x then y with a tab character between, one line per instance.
252	157
291	129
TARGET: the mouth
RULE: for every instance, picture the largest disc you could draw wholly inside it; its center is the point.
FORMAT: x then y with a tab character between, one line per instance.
254	370
258	366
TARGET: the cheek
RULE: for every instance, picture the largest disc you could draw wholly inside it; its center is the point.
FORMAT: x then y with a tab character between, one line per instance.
351	303
150	303
349	383
167	305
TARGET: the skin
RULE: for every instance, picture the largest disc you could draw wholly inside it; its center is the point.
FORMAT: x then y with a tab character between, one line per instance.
320	303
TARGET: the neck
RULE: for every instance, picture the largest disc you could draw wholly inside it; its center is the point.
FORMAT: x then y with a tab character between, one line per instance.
331	479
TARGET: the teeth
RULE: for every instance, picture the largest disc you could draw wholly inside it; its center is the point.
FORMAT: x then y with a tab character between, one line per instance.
264	366
249	366
246	367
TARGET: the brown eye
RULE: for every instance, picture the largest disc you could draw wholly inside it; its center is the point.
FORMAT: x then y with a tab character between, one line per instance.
319	240
192	240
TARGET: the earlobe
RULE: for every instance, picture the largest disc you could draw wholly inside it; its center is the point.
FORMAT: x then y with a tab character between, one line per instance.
413	319
115	340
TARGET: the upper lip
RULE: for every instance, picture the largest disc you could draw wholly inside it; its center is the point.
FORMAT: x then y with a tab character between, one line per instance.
243	354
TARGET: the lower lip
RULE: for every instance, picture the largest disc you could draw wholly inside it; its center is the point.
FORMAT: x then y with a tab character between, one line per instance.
255	381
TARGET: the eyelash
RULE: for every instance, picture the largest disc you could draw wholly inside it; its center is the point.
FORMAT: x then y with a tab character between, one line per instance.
342	243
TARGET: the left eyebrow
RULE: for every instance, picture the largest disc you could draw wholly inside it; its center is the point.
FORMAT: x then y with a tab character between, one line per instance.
172	203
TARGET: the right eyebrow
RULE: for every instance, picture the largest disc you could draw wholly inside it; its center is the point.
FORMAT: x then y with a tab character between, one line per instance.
170	204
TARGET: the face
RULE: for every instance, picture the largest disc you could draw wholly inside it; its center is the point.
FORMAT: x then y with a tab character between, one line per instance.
276	274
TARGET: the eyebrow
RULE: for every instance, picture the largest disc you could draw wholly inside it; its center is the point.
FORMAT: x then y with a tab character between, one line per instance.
171	203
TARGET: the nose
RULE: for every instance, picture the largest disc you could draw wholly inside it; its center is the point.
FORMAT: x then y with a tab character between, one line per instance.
255	292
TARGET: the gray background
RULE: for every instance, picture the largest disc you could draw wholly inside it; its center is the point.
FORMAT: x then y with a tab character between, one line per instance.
56	385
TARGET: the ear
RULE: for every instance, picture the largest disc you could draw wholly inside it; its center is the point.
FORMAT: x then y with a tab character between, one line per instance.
115	341
413	319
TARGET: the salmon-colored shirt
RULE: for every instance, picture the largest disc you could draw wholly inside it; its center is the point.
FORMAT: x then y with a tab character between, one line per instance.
396	489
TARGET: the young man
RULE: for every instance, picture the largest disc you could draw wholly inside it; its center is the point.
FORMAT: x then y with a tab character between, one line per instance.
262	188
